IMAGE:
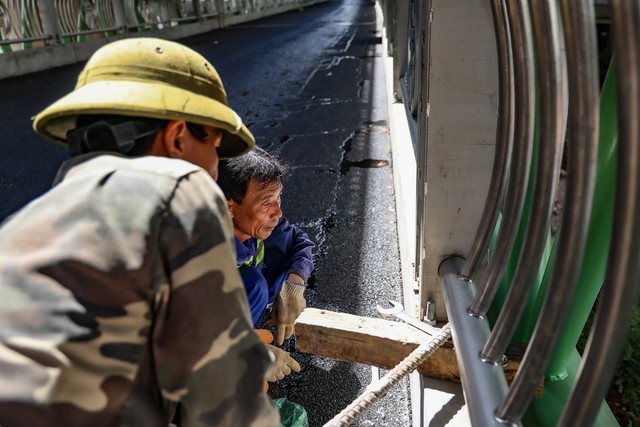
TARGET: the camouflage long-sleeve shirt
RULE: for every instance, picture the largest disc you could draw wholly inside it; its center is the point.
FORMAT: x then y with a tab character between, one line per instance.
119	297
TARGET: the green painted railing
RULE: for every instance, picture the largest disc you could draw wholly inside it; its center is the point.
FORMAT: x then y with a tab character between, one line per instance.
27	24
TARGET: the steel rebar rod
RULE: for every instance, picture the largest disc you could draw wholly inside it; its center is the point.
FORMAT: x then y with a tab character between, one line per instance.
582	151
378	389
524	92
504	143
547	30
622	279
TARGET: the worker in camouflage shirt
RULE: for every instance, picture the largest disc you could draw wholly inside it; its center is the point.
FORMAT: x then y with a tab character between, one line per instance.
119	295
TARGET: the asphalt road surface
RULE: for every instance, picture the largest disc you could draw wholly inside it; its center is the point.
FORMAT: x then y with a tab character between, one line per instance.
309	84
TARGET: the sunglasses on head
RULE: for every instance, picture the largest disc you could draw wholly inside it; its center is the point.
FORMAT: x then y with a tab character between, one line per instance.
198	131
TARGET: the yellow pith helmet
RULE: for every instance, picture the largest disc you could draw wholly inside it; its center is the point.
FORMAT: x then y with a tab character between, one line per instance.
148	77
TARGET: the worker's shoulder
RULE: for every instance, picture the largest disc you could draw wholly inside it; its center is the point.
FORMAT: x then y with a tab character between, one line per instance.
140	177
147	177
155	165
146	168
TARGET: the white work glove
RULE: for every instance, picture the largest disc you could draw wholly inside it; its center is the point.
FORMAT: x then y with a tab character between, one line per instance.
282	366
286	308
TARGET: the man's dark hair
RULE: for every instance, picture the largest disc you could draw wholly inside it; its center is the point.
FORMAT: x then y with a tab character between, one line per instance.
133	136
234	174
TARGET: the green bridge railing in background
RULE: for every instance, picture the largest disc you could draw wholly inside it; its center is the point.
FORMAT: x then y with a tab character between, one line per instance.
27	24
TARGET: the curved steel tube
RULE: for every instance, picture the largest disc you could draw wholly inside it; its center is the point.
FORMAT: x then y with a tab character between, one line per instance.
547	30
504	143
622	279
523	66
583	130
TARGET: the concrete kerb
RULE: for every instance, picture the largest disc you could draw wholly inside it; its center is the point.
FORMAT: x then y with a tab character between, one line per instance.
429	397
404	181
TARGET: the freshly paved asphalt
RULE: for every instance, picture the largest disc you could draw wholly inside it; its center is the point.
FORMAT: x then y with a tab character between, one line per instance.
310	86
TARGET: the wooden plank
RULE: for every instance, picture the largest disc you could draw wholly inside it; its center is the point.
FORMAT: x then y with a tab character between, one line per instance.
378	342
370	341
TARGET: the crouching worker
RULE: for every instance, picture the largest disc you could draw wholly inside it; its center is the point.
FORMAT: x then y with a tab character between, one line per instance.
119	293
274	257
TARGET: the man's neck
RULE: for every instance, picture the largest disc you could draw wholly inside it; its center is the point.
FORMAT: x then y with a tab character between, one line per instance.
240	235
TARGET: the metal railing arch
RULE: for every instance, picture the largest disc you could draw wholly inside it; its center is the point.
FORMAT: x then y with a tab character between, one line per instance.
598	235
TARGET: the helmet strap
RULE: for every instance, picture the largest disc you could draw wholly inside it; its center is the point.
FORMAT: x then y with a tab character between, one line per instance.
104	136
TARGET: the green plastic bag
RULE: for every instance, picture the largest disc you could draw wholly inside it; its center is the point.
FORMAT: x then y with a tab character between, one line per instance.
291	414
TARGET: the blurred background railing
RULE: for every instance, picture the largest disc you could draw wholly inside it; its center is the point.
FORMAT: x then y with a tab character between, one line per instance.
68	31
27	24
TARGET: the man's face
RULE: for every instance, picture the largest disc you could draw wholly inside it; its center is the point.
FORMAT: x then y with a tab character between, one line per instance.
200	147
259	212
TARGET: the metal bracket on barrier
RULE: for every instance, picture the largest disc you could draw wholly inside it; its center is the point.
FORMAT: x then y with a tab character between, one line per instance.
483	383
